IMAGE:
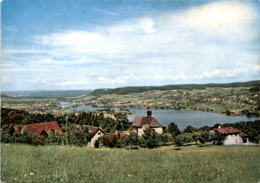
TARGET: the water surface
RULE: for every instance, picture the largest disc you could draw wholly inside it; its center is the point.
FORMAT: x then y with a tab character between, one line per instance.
182	118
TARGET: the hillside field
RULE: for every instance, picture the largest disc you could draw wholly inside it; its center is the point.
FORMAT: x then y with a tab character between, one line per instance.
24	163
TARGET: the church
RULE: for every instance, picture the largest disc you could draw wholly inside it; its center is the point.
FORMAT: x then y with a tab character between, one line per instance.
141	123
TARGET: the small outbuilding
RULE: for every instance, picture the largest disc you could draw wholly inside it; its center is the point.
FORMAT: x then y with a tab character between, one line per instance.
141	123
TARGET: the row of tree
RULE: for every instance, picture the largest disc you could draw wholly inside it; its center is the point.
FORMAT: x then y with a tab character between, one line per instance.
11	117
72	136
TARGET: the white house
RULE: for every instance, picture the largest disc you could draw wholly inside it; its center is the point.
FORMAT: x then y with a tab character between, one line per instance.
232	136
95	133
141	123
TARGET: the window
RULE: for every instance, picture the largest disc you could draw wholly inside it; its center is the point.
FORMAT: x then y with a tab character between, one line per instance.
244	140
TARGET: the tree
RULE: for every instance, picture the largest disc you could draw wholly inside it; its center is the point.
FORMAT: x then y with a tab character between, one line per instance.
131	139
77	136
190	129
181	139
150	139
219	138
165	138
173	129
205	137
196	136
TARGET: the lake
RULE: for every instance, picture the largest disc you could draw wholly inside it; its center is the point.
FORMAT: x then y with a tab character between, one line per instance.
180	117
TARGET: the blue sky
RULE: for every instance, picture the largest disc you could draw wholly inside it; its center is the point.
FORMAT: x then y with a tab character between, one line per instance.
83	44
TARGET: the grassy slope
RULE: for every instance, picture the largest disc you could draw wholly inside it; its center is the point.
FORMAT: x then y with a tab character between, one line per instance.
74	164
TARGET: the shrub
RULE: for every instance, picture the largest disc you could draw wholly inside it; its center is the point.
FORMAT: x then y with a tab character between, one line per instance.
109	140
37	140
54	139
97	143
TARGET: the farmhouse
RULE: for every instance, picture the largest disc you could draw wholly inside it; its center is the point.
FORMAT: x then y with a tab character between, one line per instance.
232	136
95	133
141	123
43	128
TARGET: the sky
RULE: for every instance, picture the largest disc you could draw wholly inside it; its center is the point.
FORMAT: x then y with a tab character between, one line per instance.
89	44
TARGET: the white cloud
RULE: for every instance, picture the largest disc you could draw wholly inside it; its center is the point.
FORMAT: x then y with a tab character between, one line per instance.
79	81
221	18
106	12
226	73
161	35
147	25
207	42
24	51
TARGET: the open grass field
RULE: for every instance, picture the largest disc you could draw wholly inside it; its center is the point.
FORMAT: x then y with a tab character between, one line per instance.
48	164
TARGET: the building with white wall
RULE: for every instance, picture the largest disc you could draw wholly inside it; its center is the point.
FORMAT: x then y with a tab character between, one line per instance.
142	123
232	136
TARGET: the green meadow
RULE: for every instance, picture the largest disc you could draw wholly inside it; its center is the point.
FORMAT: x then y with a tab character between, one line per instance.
48	164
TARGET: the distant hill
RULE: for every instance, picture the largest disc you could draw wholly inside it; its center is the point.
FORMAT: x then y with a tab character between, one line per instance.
138	89
46	93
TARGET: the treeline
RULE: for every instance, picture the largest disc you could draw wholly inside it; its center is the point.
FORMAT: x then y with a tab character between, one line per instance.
11	117
126	90
46	94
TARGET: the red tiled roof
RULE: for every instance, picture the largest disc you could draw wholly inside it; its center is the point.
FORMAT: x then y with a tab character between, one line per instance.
139	121
226	130
39	128
229	130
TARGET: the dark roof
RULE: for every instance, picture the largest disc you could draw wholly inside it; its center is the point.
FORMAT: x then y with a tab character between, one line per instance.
91	129
242	134
229	130
152	122
39	128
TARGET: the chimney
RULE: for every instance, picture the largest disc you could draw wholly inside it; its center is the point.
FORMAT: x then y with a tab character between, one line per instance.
149	113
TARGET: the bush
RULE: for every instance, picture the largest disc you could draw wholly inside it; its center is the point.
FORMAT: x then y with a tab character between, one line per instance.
37	140
97	143
109	140
54	139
